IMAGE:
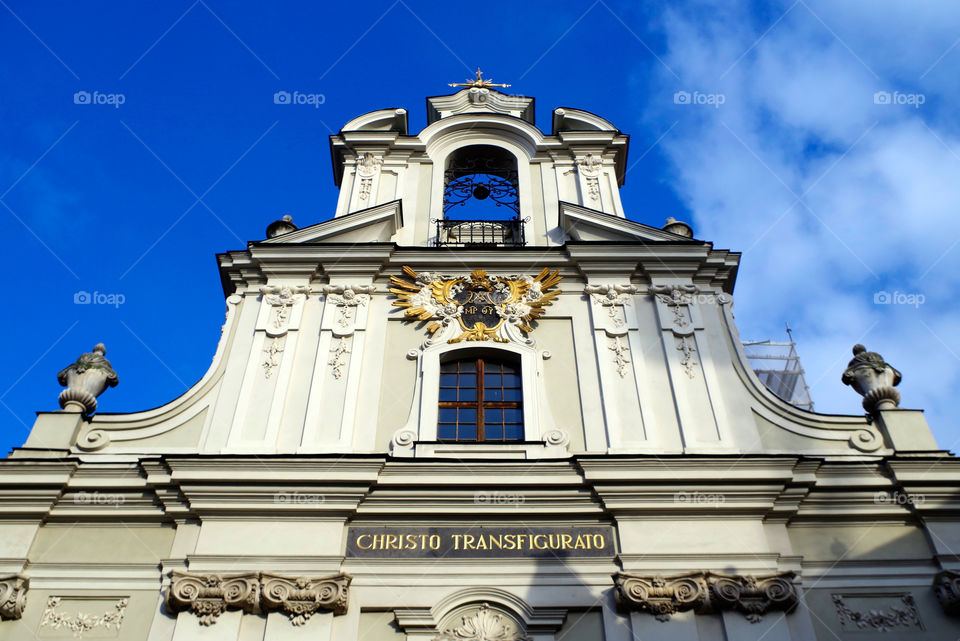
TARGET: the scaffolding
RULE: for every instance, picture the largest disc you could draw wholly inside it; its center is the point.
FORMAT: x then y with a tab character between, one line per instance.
778	367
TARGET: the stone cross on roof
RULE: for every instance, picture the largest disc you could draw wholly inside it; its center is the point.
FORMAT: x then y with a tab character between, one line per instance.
479	82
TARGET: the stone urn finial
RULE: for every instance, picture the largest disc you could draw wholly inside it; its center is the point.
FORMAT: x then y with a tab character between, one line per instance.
874	379
85	380
279	227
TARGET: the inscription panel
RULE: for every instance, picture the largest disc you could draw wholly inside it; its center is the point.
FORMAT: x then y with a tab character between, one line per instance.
457	542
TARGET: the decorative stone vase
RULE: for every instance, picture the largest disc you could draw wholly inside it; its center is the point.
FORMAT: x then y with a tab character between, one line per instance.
85	380
874	379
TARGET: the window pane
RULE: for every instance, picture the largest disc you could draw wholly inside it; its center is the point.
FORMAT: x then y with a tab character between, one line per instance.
492	380
514	415
448	415
493	416
513	432
468	380
467	366
448	394
494	394
468	432
513	395
467	415
511	380
446	431
493	432
468	394
448	380
449	367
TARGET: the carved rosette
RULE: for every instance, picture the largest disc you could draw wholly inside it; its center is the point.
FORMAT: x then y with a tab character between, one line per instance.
210	595
661	596
753	595
13	596
947	586
301	597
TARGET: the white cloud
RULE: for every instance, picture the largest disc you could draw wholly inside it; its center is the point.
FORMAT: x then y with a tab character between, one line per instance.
879	185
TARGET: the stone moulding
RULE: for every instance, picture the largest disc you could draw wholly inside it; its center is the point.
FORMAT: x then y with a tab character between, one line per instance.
299	597
13	596
947	586
706	592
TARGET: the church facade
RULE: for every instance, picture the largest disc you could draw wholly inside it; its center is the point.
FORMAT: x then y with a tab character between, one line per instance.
422	422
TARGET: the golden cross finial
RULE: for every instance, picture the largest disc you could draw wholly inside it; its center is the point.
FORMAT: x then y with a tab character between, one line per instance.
480	82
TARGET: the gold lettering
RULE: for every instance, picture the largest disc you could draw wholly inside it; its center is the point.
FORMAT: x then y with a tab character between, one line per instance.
495	540
511	541
581	543
553	545
521	541
567	541
468	541
456	541
598	542
481	542
434	541
361	545
535	541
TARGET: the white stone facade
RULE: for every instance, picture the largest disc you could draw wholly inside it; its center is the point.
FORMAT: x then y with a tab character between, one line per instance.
227	513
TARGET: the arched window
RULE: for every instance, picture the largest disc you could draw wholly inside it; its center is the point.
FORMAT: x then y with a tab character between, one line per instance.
481	399
481	199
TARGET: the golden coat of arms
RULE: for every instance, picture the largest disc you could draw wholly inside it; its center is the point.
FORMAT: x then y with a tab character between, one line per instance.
477	307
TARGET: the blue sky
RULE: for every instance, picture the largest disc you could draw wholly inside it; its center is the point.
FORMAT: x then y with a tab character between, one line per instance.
759	123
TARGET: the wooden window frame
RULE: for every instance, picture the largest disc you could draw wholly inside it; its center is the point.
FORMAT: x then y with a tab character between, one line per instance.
480	404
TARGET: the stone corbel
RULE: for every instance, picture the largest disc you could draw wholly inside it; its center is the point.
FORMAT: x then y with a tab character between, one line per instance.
348	299
13	596
210	595
947	586
659	595
705	592
301	597
753	595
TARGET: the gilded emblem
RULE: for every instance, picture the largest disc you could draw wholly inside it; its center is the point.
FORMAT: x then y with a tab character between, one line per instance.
478	307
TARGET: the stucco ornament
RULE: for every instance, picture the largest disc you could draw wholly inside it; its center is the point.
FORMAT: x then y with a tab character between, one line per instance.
81	623
85	380
301	597
947	586
659	595
874	379
486	624
210	595
479	307
753	595
13	596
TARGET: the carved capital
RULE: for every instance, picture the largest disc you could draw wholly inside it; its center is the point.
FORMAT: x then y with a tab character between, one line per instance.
13	596
753	595
947	586
661	596
210	595
301	597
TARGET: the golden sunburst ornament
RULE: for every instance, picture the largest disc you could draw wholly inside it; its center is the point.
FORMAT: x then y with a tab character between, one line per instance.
478	307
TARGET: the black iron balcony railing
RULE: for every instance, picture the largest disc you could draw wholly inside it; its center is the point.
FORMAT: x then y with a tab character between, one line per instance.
471	233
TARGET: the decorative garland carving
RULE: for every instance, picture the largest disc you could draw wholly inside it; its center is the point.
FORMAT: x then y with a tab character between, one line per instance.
661	596
348	298
13	596
478	307
589	168
613	298
880	620
368	166
282	298
752	595
81	623
210	595
301	597
271	354
705	592
947	586
620	355
678	298
338	360
486	624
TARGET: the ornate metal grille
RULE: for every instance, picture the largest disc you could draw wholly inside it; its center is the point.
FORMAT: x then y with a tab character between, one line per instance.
466	233
479	178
